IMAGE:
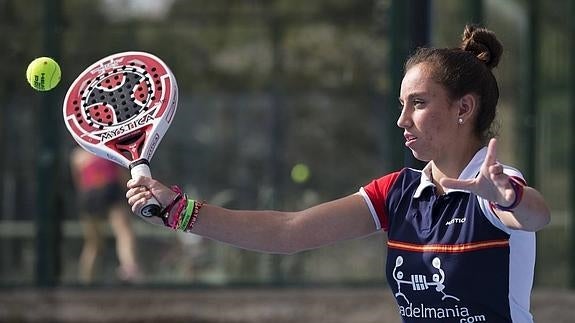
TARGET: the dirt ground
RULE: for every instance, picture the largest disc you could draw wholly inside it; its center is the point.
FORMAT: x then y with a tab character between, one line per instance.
285	305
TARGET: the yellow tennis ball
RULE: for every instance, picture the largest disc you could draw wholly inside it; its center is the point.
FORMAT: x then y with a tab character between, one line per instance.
43	74
300	173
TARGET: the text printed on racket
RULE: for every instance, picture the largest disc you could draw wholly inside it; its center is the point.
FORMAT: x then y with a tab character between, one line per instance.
145	119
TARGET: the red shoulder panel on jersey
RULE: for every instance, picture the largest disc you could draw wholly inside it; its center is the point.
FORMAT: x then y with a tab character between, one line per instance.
377	191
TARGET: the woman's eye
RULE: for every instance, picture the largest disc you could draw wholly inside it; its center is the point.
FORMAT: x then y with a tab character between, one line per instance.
418	103
400	105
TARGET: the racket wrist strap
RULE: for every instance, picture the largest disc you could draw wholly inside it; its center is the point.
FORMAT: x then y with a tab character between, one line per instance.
181	213
175	214
165	213
172	212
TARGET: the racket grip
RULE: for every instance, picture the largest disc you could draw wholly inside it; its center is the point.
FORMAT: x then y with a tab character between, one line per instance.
151	210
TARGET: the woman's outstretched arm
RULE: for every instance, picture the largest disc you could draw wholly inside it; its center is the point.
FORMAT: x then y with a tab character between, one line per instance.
267	230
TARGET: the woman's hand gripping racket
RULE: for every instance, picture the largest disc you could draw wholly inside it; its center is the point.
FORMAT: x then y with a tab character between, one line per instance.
119	108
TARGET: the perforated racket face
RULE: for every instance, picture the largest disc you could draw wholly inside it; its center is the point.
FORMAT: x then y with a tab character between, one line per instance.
120	107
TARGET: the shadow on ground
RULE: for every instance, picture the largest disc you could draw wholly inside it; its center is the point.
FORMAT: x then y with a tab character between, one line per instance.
329	305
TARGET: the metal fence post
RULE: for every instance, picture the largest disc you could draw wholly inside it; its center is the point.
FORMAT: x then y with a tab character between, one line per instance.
571	229
398	40
47	216
528	122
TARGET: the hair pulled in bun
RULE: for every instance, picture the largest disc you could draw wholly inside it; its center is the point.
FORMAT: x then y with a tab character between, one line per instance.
483	44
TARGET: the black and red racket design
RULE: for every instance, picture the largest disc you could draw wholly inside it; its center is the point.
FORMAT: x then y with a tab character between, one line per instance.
119	108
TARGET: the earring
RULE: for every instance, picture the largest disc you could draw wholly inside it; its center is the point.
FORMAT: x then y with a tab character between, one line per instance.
460	121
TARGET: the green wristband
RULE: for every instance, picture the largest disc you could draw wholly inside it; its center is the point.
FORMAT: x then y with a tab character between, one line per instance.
187	215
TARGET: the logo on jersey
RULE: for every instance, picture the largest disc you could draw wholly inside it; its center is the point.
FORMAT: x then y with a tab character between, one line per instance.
420	283
456	221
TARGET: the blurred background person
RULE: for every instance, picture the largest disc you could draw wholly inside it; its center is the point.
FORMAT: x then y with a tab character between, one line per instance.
100	197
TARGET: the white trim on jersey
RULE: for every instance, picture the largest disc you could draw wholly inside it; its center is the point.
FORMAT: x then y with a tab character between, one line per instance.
371	208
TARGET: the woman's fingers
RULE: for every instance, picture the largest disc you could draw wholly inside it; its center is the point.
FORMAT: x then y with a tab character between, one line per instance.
497	176
141	189
491	157
496	169
138	193
139	181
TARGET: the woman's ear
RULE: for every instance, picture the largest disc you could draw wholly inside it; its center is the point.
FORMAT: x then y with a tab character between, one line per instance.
466	107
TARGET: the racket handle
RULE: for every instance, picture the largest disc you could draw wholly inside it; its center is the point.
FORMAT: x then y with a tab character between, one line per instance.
151	210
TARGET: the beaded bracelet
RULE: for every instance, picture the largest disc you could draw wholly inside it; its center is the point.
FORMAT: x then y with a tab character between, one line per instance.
517	186
197	207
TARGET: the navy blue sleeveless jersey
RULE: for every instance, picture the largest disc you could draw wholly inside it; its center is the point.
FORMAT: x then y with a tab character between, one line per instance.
449	257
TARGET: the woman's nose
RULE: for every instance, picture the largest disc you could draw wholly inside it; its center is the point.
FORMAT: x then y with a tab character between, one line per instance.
404	121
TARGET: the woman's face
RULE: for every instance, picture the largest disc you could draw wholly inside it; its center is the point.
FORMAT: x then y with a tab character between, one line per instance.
428	116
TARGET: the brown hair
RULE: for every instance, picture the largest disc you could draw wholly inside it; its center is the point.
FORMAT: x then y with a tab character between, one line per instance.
467	69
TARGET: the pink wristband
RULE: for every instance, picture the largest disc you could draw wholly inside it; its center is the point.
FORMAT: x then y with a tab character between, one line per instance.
178	212
165	212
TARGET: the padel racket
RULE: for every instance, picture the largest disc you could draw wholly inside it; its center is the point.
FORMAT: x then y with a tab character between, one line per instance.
119	108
